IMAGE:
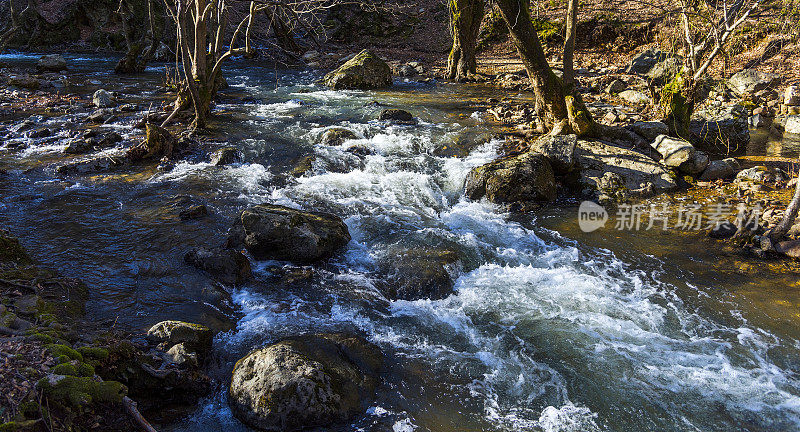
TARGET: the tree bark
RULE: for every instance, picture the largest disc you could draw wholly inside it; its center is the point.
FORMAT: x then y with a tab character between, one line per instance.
465	24
561	110
569	44
677	103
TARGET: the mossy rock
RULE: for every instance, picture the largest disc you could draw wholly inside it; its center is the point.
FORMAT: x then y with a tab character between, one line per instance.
58	350
96	353
65	369
12	252
365	71
80	391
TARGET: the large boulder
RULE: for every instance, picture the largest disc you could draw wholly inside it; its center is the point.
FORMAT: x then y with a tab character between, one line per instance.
515	179
643	62
559	150
649	130
281	233
750	81
637	170
363	72
721	128
663	72
226	265
51	63
414	274
305	382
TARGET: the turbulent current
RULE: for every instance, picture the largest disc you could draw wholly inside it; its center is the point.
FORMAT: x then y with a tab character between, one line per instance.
544	332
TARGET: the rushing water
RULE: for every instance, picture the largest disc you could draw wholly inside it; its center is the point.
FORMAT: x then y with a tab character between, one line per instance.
549	329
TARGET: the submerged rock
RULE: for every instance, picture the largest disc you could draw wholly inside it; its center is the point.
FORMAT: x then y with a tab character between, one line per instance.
92	142
397	116
336	136
276	232
559	150
516	179
226	265
363	72
305	382
193	212
51	63
421	273
226	156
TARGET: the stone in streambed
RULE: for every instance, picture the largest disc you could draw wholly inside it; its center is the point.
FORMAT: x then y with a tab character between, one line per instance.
101	99
226	265
305	382
363	72
336	136
516	179
195	336
275	232
415	274
720	169
677	153
51	63
397	116
226	156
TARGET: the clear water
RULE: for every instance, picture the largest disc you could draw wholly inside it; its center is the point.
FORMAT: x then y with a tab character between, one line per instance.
549	329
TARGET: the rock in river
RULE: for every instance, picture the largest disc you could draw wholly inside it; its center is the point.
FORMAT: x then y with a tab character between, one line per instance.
515	179
276	232
305	382
749	81
336	136
416	274
193	336
398	116
226	265
559	150
226	156
51	63
363	72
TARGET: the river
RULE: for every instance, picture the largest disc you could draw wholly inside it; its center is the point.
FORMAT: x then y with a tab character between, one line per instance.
550	329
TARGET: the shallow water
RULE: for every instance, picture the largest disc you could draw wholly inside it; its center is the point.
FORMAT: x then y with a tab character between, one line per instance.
550	329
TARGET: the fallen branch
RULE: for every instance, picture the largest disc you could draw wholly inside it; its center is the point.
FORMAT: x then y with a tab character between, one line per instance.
130	405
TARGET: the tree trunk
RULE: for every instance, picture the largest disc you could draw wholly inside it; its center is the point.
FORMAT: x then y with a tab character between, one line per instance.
677	104
562	111
142	41
569	44
465	24
788	217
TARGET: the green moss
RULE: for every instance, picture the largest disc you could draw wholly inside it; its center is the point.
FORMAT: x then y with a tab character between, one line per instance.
97	353
43	338
65	369
547	30
11	251
63	359
9	427
58	350
79	391
86	370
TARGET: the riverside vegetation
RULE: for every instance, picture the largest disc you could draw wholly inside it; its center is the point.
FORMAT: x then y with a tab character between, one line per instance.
338	215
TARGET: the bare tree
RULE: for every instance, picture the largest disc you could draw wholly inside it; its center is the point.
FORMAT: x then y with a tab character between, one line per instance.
465	24
206	40
560	108
707	28
569	44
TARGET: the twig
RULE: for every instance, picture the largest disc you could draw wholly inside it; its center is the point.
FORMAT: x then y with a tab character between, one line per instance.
130	405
